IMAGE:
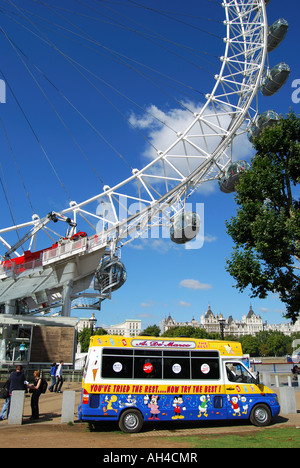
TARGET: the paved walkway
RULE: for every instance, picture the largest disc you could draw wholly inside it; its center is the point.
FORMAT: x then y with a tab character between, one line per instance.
50	405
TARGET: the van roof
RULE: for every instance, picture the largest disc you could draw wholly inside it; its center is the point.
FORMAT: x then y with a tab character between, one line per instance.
226	348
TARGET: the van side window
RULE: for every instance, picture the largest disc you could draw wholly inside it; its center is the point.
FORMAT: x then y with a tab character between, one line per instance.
117	367
177	368
147	368
153	364
236	372
205	369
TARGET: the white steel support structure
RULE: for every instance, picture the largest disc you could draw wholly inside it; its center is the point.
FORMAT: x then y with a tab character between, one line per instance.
200	153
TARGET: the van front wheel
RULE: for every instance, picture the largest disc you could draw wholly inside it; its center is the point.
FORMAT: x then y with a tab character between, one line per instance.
261	415
131	420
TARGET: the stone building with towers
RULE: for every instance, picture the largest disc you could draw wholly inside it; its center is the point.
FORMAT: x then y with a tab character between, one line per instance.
250	324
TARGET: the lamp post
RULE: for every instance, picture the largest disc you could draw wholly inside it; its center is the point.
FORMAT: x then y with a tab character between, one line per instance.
222	326
92	321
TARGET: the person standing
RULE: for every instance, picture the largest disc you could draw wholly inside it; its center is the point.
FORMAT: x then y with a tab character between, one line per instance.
4	409
17	381
35	389
59	378
8	351
53	376
5	389
22	350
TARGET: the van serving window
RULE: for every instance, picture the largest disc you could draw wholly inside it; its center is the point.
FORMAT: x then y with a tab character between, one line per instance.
147	368
177	368
117	367
153	364
205	369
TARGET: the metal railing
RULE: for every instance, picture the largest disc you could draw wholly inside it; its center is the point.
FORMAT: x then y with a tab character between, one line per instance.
65	249
69	375
14	351
13	269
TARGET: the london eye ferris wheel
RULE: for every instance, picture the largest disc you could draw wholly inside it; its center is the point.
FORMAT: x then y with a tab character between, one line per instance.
52	257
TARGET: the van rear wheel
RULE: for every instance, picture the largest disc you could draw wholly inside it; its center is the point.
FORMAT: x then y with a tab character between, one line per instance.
261	415
131	420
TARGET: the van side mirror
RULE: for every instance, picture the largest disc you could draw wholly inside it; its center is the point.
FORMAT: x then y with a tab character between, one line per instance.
257	378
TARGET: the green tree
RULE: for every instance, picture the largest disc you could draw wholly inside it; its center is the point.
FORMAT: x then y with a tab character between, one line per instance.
100	331
189	332
266	229
85	335
277	344
250	345
152	330
263	350
262	340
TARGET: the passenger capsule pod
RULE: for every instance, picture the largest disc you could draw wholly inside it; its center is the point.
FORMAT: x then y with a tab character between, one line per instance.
266	119
185	227
277	33
275	79
232	175
110	275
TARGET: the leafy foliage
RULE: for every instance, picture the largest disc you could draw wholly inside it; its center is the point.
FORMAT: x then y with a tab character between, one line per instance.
266	229
152	330
85	335
188	331
267	343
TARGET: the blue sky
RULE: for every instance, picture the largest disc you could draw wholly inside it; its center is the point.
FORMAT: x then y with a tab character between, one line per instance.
163	278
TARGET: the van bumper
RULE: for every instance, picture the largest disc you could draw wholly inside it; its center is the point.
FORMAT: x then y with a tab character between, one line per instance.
274	405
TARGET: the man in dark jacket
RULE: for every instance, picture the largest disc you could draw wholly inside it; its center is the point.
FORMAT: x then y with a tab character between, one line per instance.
17	380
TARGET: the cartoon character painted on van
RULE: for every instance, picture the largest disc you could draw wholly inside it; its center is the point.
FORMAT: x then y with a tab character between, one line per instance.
234	401
166	407
239	405
154	411
110	400
204	399
178	407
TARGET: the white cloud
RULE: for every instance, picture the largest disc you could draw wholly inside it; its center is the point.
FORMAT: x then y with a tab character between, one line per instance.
209	238
263	309
162	128
145	316
194	284
147	304
184	304
162	245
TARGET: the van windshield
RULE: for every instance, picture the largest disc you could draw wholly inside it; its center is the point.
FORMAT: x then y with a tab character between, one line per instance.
236	372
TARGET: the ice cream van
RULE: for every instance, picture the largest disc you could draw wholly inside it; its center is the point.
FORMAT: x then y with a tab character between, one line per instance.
148	379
